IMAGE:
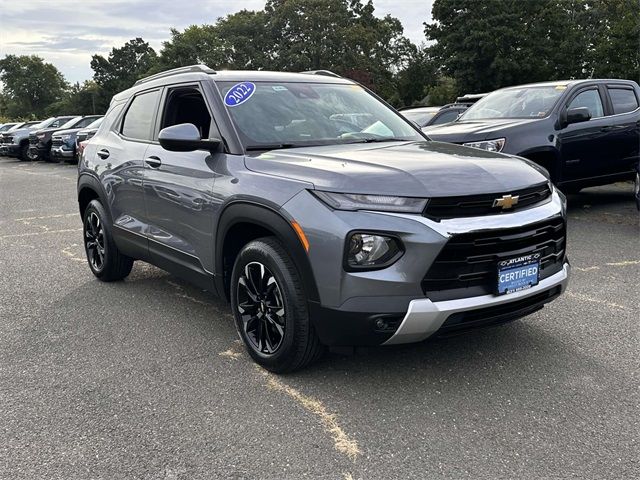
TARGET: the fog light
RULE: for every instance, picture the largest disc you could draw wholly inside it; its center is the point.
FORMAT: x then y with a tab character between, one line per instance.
371	251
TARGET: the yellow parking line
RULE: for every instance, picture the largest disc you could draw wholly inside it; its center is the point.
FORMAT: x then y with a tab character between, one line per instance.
341	440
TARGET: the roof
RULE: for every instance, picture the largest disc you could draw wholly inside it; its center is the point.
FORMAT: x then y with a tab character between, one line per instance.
202	72
570	83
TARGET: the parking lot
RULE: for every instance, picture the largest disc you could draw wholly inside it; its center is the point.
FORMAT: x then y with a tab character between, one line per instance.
146	378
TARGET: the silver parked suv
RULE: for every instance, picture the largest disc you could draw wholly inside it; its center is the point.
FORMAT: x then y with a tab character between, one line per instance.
319	212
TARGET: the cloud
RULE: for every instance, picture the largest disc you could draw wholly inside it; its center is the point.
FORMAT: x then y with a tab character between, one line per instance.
67	32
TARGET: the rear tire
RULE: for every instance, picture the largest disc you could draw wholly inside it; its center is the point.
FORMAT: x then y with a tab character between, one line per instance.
270	308
105	260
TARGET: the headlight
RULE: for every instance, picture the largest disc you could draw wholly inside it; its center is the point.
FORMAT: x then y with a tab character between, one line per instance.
90	135
382	203
370	251
65	138
490	145
41	136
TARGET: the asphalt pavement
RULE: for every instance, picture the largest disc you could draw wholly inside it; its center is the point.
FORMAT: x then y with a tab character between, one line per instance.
146	379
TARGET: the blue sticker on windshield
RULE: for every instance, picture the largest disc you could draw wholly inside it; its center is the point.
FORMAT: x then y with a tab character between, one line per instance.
239	93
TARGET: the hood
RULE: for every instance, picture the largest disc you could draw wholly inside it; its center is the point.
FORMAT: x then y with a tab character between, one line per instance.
415	169
48	131
67	131
20	132
475	130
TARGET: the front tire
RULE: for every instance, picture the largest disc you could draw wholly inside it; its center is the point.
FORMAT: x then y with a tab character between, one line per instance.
105	260
270	308
24	152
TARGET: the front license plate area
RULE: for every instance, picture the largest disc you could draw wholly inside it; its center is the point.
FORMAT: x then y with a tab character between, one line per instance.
517	274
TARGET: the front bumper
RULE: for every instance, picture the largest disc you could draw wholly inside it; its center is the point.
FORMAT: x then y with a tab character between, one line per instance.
61	152
424	317
395	304
9	149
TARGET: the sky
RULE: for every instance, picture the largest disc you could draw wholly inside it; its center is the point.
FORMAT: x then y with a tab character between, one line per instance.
67	32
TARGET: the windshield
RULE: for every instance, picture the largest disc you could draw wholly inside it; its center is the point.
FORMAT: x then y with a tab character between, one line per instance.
281	115
95	124
525	102
421	117
70	123
44	123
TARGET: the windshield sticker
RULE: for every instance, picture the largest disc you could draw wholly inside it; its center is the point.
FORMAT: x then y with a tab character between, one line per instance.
279	88
239	93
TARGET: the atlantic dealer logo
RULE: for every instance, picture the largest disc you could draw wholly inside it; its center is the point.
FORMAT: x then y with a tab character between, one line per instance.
506	202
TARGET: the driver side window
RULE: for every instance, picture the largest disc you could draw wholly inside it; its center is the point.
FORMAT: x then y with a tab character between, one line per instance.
591	100
186	105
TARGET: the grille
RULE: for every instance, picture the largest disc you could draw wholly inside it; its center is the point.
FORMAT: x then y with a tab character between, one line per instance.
33	139
56	142
6	139
467	265
440	208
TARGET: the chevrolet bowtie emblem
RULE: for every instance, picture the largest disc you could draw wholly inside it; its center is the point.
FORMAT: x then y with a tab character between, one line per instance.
506	202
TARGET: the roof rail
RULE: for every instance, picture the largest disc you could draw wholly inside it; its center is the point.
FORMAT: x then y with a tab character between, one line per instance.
326	73
175	71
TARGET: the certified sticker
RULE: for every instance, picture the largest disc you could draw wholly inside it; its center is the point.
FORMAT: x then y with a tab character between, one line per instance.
239	93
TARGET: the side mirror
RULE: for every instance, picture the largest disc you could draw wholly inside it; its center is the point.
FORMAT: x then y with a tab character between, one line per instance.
186	138
578	115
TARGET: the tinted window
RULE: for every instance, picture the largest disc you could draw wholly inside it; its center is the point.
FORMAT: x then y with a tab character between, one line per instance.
446	117
623	99
85	122
137	120
186	105
591	100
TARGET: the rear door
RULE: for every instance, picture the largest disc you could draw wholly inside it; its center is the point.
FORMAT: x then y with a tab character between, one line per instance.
120	156
584	146
178	189
623	127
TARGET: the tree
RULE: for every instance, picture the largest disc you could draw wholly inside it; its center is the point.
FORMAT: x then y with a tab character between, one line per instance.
30	85
121	69
485	45
298	35
445	91
79	99
616	39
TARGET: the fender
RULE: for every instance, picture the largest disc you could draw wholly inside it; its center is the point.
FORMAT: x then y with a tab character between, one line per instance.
88	180
276	222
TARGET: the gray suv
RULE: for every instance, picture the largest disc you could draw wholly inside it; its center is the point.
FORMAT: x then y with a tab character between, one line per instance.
319	212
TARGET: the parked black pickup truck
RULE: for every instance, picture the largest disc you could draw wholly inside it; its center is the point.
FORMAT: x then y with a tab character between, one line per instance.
584	132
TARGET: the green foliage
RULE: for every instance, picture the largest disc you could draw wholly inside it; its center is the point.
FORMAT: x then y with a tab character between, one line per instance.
478	46
443	92
121	69
490	44
30	85
616	42
298	35
78	100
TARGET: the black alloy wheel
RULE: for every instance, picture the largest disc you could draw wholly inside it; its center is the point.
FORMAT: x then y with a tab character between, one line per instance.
94	241
261	308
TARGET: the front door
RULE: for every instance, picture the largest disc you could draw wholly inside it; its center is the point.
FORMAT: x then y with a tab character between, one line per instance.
584	147
178	189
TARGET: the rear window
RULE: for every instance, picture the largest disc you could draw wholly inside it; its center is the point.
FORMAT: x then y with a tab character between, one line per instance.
623	99
137	120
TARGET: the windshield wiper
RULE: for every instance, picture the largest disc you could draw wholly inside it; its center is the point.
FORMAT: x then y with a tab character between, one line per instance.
379	139
274	146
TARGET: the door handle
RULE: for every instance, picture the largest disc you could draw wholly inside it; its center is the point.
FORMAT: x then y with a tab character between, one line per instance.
153	162
103	154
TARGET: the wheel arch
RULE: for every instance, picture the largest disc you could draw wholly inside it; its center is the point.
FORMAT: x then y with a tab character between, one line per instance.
548	158
241	222
90	189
